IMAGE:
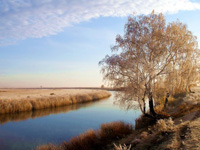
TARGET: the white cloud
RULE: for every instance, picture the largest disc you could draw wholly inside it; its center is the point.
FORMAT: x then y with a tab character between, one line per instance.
21	19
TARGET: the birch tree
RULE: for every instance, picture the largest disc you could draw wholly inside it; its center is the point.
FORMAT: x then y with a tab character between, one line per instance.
146	56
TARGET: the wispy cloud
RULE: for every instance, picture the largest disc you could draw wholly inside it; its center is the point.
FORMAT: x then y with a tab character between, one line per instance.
21	19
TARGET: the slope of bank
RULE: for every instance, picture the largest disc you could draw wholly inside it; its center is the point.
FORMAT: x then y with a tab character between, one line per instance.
180	130
18	100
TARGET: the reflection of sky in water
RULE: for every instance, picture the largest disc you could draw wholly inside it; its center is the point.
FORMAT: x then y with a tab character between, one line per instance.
58	127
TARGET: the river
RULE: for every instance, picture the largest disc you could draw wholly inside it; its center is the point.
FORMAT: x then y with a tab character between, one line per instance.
27	130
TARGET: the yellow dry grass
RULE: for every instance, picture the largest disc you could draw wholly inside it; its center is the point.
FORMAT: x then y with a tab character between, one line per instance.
93	139
19	100
181	131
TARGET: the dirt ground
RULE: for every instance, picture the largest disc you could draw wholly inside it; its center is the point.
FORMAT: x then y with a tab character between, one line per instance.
179	132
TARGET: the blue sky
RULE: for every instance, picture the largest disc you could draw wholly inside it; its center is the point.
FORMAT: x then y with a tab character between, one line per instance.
58	43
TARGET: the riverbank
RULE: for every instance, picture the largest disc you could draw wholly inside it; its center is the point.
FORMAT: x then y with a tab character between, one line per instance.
19	100
93	139
179	130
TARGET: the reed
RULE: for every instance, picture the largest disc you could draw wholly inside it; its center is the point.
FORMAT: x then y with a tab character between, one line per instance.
12	106
92	139
114	130
28	104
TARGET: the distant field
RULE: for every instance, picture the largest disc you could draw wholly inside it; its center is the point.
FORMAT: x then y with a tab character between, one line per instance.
17	100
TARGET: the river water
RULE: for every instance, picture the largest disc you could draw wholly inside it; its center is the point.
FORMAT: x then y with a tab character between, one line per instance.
27	130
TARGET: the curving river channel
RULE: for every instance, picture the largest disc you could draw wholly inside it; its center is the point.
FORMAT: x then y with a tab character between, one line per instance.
27	130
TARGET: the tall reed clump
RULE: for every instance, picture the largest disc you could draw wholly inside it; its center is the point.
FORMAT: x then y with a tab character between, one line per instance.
14	106
114	130
50	102
92	139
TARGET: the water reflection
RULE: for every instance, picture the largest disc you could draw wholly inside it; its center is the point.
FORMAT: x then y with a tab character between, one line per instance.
5	118
27	130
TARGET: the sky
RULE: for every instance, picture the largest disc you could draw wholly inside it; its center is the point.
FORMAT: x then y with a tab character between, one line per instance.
58	43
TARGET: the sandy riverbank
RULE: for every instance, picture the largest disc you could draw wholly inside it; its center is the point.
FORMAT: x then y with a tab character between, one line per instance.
17	100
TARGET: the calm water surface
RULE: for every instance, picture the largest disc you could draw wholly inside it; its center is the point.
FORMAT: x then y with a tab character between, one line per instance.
25	131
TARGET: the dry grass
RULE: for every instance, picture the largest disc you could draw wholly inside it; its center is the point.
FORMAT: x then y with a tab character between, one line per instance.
173	101
88	140
165	125
191	135
114	130
48	147
185	109
180	133
166	134
120	147
93	140
163	135
27	103
185	135
12	106
144	122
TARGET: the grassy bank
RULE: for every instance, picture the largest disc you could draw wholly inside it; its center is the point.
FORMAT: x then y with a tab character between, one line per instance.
93	139
13	104
179	129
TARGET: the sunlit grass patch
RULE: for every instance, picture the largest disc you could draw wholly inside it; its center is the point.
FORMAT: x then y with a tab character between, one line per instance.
165	125
12	106
28	104
122	147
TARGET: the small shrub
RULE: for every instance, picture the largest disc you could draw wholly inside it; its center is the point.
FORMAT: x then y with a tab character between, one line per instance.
144	122
120	147
114	130
165	125
86	141
144	134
